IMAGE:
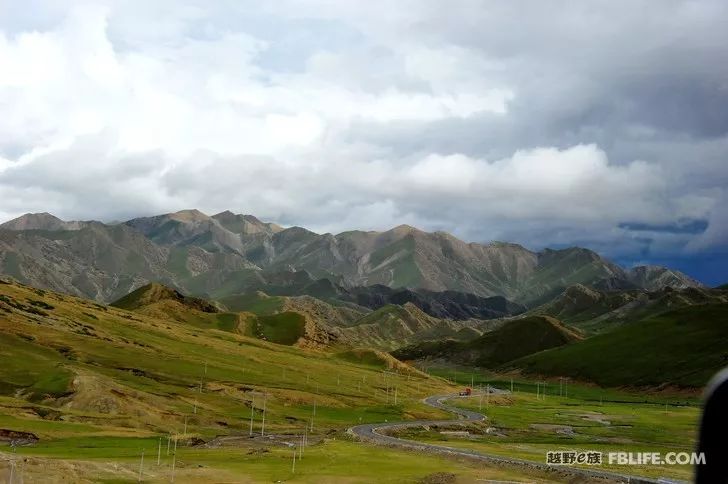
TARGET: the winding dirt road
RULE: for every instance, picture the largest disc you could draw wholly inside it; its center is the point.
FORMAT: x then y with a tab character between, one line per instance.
377	433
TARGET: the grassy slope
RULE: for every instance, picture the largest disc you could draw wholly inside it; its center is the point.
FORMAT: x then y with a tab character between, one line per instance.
154	293
605	419
684	347
148	371
575	267
283	328
99	384
396	263
384	312
332	461
257	303
527	427
235	322
160	302
513	340
392	326
35	371
385	328
595	311
579	304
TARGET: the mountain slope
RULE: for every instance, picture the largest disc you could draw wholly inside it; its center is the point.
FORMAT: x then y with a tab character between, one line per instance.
327	325
159	301
510	341
41	221
218	256
245	224
443	304
78	370
106	262
155	293
654	278
683	347
188	228
405	257
99	261
392	326
284	323
598	311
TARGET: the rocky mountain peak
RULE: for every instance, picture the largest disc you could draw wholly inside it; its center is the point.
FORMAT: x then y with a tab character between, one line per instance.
41	221
189	215
245	224
653	278
177	246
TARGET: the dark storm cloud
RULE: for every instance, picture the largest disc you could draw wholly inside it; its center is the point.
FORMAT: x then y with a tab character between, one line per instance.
686	227
602	72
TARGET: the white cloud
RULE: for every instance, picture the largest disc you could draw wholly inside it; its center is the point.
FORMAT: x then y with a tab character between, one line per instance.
715	237
472	119
189	94
577	185
574	184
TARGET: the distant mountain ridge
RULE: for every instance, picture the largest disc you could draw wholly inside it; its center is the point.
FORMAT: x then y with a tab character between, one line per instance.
443	304
42	221
594	310
154	293
216	255
392	326
683	347
510	341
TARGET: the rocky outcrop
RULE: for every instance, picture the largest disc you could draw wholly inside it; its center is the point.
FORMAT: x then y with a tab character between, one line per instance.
17	437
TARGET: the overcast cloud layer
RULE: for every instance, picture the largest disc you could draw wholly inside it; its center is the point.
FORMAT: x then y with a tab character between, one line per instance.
602	124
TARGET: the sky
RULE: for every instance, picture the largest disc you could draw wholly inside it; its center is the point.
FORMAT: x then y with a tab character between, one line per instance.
602	124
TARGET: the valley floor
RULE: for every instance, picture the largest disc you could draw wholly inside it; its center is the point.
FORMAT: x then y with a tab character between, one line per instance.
98	386
333	461
526	424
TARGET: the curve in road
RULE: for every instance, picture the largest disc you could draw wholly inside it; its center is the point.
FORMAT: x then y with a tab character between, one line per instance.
375	433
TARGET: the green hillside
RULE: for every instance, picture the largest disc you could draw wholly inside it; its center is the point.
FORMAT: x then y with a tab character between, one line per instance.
393	326
304	320
684	347
74	357
512	340
594	311
158	301
257	303
99	385
283	328
214	257
155	293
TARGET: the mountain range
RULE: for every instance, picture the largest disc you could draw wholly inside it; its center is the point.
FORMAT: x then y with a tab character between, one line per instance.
593	311
521	337
681	347
226	254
